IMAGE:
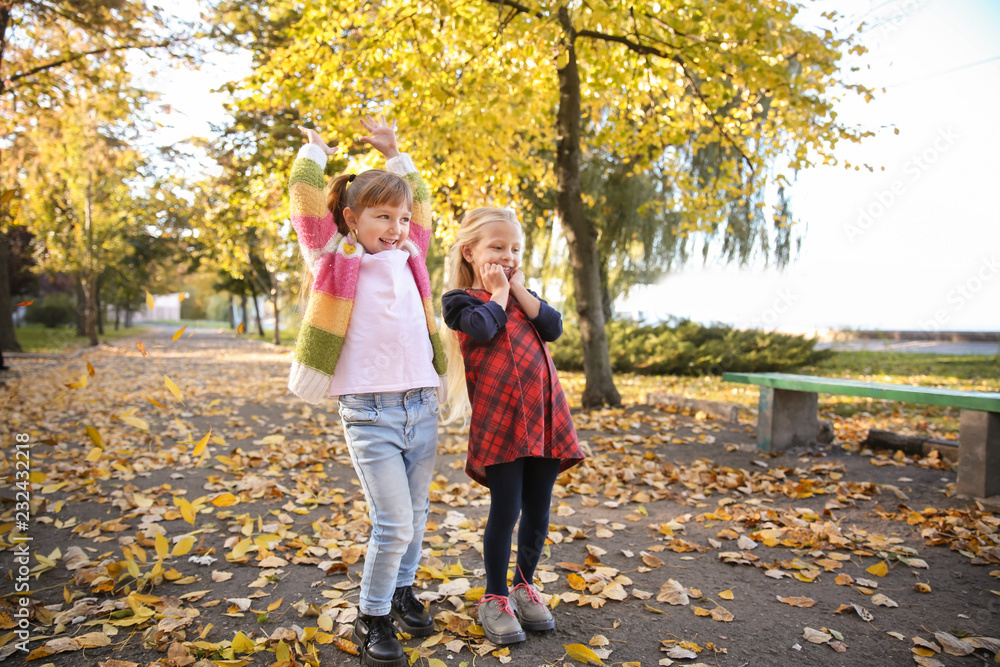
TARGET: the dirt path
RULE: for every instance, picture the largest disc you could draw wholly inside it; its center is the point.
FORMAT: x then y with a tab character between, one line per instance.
237	516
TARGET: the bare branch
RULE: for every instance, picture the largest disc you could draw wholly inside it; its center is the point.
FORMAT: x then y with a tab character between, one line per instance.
5	85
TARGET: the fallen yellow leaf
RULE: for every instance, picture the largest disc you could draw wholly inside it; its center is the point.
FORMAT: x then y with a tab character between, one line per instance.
200	447
224	500
582	653
174	389
879	569
183	545
95	437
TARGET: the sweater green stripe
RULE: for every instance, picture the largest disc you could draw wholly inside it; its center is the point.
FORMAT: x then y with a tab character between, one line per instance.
306	170
440	364
420	191
318	349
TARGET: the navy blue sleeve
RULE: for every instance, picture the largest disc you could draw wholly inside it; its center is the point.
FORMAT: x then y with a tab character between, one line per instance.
478	319
548	322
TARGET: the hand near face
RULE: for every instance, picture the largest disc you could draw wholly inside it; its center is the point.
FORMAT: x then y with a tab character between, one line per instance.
493	278
517	278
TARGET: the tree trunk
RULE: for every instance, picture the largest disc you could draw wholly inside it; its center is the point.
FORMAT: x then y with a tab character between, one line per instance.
243	312
7	338
128	317
274	304
232	319
5	7
256	310
89	284
118	317
100	310
81	306
8	341
89	275
581	234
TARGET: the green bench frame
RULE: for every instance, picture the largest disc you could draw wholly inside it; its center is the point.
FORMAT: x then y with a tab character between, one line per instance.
787	417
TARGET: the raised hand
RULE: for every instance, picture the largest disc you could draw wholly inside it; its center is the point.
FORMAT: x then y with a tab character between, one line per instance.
315	139
493	278
382	135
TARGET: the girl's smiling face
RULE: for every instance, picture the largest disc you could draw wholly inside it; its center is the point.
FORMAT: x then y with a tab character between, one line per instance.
382	227
501	243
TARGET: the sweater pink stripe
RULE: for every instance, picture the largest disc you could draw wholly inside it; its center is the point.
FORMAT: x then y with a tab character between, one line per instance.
337	278
423	281
421	237
314	232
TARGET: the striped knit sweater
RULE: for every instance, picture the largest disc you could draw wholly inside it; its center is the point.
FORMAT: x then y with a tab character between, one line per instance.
335	262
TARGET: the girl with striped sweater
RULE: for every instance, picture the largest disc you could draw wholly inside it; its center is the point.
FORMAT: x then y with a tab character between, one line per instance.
369	338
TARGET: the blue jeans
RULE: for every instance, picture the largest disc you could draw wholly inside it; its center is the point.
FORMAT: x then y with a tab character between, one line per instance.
392	438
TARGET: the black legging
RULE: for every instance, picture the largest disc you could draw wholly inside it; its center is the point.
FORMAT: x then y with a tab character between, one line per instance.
522	487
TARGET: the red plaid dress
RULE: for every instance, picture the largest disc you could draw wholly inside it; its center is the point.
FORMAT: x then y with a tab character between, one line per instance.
518	406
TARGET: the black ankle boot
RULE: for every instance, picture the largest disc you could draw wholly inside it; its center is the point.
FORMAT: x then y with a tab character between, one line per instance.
410	613
377	643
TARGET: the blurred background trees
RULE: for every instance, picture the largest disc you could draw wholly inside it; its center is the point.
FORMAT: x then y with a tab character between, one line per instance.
628	139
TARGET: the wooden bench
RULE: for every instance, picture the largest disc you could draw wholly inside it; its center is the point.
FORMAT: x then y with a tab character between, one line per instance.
788	417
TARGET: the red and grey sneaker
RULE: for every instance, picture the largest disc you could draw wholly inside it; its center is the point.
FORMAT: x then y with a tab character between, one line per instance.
530	609
497	618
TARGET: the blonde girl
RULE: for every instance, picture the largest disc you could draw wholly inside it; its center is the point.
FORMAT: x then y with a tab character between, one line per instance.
520	434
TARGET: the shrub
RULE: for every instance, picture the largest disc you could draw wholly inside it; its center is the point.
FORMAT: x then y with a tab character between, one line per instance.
688	348
54	310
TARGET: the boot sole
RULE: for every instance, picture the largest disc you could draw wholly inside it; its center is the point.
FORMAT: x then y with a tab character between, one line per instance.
375	662
412	630
509	638
537	626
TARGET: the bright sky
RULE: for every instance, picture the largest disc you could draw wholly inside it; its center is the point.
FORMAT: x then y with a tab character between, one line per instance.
913	246
916	246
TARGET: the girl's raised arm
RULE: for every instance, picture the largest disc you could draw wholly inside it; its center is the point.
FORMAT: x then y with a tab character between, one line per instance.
311	218
382	137
316	140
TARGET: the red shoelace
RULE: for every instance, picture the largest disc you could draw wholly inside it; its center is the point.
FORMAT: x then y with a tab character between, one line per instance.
503	602
533	595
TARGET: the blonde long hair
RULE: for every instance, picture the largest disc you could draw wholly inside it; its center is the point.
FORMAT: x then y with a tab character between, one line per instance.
460	275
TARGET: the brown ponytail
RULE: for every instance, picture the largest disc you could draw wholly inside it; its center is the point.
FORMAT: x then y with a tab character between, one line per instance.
336	194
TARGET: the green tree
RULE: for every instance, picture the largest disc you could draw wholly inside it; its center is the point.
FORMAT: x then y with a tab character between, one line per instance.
246	231
62	62
708	94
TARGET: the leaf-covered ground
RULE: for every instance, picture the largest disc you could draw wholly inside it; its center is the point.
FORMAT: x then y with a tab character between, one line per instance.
186	510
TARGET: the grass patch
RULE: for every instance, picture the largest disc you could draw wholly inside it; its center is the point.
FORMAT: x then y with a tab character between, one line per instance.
39	338
287	336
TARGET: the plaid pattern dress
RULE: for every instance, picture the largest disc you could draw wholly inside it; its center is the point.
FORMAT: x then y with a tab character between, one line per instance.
518	406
